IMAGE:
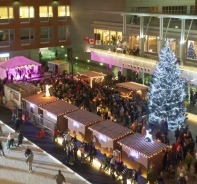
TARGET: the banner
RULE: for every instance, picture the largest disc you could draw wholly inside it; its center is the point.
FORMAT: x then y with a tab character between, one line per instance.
86	38
98	42
91	41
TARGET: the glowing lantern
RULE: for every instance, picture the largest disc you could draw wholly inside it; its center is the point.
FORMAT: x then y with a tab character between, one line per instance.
47	90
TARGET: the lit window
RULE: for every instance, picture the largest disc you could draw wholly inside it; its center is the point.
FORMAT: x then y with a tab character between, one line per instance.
63	11
26	12
46	11
6	12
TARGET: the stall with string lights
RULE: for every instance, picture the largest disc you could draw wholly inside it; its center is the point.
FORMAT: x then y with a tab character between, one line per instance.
91	77
106	134
53	114
14	92
78	123
132	89
142	151
31	104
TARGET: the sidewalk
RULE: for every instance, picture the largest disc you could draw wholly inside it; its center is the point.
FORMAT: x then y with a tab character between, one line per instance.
13	168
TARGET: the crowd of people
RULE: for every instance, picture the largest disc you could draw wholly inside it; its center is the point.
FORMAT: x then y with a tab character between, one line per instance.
107	102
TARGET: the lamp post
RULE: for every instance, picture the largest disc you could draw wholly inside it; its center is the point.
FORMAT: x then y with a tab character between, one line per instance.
70	58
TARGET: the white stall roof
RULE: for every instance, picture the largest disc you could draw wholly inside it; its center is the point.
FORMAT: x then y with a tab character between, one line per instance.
132	86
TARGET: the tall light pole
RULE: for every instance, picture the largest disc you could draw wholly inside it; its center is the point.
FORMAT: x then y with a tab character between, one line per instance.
70	58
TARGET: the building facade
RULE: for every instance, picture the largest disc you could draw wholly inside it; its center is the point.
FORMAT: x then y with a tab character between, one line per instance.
111	23
27	26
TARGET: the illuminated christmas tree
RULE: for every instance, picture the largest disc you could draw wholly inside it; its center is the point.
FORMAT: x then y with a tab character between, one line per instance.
167	91
191	52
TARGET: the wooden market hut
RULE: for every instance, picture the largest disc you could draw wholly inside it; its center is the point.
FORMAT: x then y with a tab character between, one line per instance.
32	103
78	123
14	92
132	89
58	67
53	114
91	77
106	134
136	151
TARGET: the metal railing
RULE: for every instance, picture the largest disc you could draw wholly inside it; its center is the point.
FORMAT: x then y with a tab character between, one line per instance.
36	119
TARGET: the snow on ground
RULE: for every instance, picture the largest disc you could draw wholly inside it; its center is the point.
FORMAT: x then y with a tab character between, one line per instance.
13	168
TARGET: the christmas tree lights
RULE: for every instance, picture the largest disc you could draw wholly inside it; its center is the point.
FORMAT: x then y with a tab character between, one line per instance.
167	91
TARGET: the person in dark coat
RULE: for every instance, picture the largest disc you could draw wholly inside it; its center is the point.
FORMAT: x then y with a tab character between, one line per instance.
17	124
27	152
1	149
165	160
20	138
176	134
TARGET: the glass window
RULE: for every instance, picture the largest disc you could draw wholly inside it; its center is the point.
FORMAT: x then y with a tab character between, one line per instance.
46	34
175	9
152	44
106	37
6	36
10	13
192	10
134	41
62	32
46	11
63	11
6	12
27	33
26	12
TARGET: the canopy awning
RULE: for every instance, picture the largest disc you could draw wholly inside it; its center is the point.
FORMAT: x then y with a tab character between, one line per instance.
110	129
138	143
132	86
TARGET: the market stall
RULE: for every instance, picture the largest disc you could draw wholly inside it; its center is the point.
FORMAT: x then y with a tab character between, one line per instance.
132	89
31	104
138	152
53	114
78	123
106	134
91	77
58	67
14	92
19	68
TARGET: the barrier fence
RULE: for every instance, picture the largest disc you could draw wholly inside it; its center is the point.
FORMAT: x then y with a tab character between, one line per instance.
36	119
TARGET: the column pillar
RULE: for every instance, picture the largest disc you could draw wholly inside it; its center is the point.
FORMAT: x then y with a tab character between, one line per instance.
182	42
124	29
141	37
161	39
141	76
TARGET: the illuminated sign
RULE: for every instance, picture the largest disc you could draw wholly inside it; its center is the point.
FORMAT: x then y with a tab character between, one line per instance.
75	124
4	55
32	105
51	116
47	90
134	154
103	138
